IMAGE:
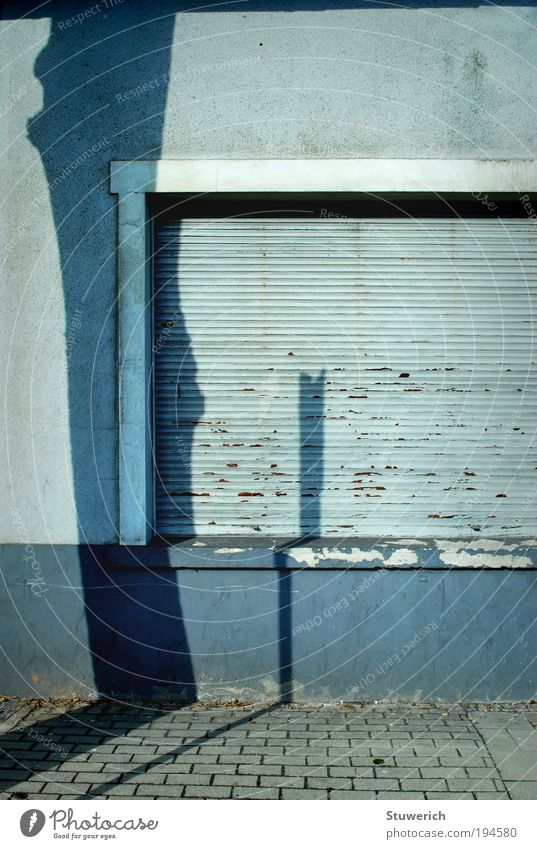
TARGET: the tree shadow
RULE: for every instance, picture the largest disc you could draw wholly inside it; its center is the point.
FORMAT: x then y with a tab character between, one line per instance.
174	377
55	745
136	633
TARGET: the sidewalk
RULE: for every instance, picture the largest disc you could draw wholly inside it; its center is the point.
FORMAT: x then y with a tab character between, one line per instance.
383	751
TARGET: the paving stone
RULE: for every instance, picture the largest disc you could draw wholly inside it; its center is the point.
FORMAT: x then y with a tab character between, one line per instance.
93	765
33	754
260	769
202	792
22	787
417	762
237	780
67	756
168	768
352	794
483	772
397	772
466	761
264	793
497	795
124	790
445	772
144	777
213	769
499	720
220	751
244	759
382	794
282	781
267	751
109	758
424	784
319	751
515	766
445	795
28	765
323	760
470	784
290	769
67	791
13	775
351	771
375	784
36	796
147	759
522	789
160	791
94	777
343	744
149	751
181	778
327	783
288	793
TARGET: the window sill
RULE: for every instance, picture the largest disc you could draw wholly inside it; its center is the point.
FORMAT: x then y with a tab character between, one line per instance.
357	553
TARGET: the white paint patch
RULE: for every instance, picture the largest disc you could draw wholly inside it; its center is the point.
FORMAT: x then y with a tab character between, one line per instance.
196	544
313	558
228	550
411	542
476	545
402	557
491	561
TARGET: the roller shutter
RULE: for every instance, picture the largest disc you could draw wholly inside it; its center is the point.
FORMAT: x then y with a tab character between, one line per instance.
349	377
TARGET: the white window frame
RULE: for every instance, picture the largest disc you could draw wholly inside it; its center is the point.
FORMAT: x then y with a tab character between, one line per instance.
132	181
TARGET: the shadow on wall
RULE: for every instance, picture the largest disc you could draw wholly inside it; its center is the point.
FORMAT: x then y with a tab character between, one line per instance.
175	422
327	6
136	631
311	423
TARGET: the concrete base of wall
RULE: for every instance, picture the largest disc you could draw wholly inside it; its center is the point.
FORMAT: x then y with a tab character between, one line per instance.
83	621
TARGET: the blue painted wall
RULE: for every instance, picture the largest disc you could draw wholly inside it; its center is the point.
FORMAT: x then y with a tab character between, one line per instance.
316	635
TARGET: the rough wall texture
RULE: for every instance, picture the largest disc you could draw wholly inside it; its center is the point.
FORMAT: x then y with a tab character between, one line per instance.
139	80
310	635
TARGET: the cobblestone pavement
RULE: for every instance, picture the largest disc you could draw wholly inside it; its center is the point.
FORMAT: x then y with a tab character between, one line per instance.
375	751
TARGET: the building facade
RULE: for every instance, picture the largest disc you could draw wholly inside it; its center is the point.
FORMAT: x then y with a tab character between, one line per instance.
269	374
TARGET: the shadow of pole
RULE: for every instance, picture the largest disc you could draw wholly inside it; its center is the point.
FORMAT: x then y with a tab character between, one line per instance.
311	414
311	479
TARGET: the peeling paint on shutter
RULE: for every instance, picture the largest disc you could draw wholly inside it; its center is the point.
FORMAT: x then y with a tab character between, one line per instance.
355	377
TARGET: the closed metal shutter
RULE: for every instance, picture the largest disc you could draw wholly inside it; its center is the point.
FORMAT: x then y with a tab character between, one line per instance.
350	377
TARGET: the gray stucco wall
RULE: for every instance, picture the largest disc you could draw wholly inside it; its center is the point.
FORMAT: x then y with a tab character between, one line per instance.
266	79
260	79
